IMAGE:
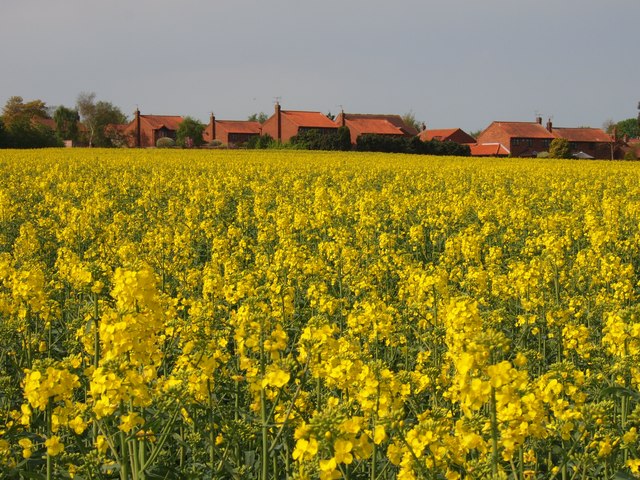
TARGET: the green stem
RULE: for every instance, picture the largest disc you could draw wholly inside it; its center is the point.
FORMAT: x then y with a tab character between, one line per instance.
49	457
155	451
211	432
124	460
96	353
133	458
494	434
263	408
141	457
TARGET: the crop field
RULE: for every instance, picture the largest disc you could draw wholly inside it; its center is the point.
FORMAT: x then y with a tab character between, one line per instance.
287	314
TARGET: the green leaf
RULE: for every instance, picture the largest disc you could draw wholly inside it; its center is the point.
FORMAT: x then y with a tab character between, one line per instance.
622	475
619	392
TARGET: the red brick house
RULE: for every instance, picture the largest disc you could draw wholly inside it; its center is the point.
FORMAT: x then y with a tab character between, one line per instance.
528	139
231	132
587	142
374	124
146	130
284	124
520	139
456	135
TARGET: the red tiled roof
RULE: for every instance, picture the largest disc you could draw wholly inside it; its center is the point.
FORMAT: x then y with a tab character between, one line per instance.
595	135
395	120
308	119
524	130
239	126
440	134
156	122
377	126
488	150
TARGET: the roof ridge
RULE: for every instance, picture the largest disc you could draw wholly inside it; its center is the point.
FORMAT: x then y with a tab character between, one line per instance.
517	121
303	111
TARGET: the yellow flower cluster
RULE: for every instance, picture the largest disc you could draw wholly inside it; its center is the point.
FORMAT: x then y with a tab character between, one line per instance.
290	314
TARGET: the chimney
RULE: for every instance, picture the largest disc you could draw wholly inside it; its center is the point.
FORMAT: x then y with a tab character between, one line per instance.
549	126
343	121
138	138
212	120
278	122
423	126
539	120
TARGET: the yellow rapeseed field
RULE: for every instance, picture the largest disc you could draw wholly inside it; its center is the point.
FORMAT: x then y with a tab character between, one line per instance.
286	314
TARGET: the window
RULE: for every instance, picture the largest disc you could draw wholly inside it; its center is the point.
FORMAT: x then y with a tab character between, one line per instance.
522	141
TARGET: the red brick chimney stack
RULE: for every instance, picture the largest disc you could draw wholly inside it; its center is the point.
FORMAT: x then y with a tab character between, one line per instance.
138	130
212	119
343	121
549	126
278	122
539	120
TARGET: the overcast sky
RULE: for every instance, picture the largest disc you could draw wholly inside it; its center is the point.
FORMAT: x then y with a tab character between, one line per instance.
454	63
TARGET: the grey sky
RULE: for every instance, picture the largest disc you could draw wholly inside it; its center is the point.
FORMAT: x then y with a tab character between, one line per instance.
459	63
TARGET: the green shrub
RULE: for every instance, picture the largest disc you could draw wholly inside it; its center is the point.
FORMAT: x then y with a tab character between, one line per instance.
560	148
262	142
389	144
189	133
165	142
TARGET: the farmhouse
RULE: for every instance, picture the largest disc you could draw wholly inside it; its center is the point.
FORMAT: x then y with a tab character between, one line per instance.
528	139
519	139
374	124
586	142
284	124
231	132
146	130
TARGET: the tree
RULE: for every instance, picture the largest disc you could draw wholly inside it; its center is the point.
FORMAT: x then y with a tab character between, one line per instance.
15	110
409	119
629	127
190	133
96	116
258	117
560	148
117	137
106	114
66	123
29	134
608	125
86	104
24	125
3	135
343	142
